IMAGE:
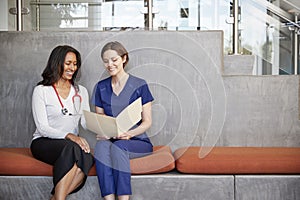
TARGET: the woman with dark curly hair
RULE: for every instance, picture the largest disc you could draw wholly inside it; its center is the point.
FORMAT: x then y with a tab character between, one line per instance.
57	104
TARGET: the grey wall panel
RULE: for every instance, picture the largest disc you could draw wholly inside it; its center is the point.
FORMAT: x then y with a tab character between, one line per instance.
162	187
239	65
20	188
261	111
183	187
267	187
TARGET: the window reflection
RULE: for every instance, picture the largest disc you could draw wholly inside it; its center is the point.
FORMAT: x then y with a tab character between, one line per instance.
73	15
121	15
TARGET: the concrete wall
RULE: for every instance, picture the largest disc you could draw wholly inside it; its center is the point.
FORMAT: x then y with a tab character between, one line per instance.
194	103
239	65
167	187
149	187
267	187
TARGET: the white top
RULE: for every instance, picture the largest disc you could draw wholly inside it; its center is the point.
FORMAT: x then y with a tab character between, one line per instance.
49	120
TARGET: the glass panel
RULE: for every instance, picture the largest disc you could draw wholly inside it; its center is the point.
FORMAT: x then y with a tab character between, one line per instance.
65	15
73	15
193	15
264	35
175	15
120	15
92	15
3	15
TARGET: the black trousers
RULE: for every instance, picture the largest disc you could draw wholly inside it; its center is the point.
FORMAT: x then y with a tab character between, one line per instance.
62	155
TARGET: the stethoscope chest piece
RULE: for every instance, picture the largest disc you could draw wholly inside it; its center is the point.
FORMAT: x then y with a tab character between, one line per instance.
64	111
76	99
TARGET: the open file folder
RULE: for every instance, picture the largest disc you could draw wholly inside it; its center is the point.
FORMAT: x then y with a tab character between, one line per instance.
114	126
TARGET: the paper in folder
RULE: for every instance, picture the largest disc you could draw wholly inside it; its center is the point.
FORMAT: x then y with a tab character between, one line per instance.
114	126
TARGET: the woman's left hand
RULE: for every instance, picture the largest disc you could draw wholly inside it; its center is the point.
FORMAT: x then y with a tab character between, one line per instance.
84	145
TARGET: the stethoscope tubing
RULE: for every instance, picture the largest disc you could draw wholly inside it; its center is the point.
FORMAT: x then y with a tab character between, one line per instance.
63	109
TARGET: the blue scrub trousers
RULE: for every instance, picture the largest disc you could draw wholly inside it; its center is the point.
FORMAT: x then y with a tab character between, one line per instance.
112	160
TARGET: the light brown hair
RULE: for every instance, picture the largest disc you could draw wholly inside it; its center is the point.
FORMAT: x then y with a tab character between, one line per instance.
119	48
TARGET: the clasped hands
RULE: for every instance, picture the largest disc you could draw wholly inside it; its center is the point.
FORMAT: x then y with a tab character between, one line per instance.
123	136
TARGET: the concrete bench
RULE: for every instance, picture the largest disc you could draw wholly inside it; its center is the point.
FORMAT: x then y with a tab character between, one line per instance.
24	177
225	173
20	162
238	160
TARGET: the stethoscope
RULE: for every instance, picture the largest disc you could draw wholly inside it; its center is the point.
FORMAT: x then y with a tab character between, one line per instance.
76	96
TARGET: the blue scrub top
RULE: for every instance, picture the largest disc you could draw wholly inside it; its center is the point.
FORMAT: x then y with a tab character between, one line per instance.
113	104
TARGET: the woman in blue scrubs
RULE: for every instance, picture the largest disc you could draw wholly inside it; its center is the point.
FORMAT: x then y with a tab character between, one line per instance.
112	95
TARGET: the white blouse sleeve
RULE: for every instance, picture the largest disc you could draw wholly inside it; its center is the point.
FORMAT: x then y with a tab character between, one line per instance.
85	104
40	115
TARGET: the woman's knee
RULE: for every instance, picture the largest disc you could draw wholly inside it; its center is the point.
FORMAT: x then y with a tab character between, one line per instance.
102	146
102	150
73	151
71	145
119	149
121	145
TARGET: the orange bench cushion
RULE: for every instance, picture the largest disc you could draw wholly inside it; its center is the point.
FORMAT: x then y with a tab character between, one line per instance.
239	160
20	162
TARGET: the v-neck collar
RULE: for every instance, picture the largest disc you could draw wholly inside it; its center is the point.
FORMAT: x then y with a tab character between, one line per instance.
124	88
59	96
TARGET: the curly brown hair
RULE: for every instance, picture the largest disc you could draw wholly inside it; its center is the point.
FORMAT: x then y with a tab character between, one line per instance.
55	65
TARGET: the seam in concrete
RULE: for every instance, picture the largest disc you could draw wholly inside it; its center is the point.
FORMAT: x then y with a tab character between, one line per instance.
234	187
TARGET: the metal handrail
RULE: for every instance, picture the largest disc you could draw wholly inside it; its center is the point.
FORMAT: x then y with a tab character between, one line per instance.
19	15
277	11
49	3
235	45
